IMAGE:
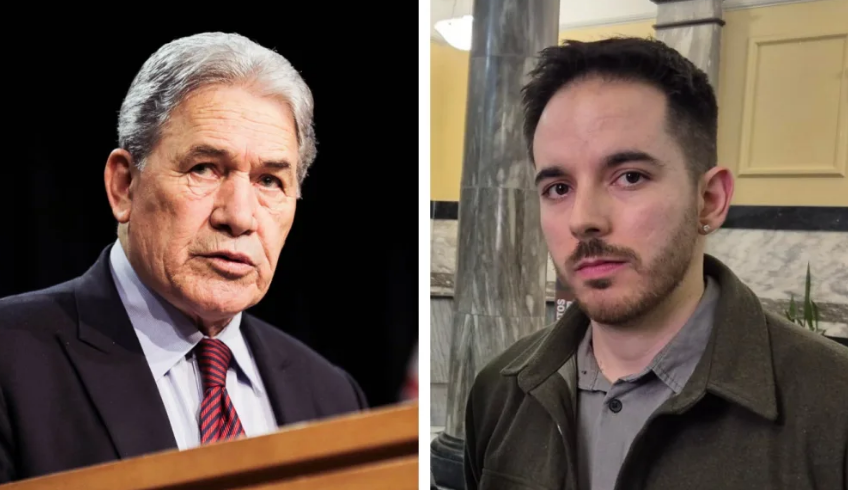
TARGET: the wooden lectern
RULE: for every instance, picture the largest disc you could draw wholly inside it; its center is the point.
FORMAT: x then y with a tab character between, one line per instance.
373	450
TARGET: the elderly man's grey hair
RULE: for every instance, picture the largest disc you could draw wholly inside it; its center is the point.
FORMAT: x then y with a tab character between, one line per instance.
192	62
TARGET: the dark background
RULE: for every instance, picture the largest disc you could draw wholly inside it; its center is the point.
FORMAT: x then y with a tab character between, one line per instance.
346	281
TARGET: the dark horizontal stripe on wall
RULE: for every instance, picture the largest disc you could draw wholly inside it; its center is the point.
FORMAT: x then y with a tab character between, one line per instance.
787	218
444	210
799	218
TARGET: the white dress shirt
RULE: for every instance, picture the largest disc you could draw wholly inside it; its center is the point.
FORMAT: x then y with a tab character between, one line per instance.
167	338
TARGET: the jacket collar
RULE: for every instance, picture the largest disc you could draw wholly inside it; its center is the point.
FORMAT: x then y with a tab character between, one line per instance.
737	364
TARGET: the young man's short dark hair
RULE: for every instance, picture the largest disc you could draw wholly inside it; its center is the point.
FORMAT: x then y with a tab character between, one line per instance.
692	117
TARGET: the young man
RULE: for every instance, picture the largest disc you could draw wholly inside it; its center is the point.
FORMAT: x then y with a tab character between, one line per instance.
667	373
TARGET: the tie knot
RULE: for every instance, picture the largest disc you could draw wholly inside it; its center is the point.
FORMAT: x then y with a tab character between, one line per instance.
213	358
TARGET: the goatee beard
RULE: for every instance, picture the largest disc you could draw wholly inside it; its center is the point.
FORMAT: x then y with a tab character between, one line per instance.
660	278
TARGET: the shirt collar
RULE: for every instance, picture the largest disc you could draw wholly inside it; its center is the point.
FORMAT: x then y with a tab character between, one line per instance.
676	362
589	376
166	334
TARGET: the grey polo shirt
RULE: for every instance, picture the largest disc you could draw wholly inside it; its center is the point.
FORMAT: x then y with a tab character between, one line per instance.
610	415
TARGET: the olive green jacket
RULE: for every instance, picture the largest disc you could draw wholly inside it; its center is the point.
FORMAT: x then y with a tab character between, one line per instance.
766	408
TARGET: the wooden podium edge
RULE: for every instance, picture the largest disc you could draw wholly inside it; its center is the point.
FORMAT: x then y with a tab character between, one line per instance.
299	452
393	474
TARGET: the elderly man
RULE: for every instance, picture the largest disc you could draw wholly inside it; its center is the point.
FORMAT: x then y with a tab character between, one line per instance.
150	349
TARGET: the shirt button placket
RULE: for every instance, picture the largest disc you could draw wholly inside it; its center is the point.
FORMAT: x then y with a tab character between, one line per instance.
615	405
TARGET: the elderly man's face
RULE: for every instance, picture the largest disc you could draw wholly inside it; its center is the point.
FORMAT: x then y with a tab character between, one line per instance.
210	212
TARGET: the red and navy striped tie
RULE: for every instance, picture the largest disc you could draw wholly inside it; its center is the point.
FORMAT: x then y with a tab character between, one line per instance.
218	418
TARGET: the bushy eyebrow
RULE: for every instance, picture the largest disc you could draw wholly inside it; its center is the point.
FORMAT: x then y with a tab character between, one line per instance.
610	161
207	151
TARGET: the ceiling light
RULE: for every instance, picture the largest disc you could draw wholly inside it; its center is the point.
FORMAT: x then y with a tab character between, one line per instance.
456	31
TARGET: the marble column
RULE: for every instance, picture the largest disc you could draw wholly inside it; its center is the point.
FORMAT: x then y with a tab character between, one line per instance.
501	254
693	28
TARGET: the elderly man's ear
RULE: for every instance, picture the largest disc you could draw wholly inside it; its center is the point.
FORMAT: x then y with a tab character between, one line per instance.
118	177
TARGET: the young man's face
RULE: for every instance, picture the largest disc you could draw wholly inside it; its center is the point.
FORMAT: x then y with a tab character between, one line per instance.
618	209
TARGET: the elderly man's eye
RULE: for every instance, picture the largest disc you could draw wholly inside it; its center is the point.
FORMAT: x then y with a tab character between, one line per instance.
202	169
271	181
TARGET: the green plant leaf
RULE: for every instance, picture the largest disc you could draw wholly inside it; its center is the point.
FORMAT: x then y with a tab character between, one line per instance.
792	309
807	283
808	310
815	308
808	317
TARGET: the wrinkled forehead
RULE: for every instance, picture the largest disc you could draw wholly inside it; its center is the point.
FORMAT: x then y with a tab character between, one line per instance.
236	122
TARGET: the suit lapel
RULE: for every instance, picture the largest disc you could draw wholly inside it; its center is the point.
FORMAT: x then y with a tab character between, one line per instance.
289	392
113	369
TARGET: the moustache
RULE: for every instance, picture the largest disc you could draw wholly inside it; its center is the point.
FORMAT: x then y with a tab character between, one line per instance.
595	247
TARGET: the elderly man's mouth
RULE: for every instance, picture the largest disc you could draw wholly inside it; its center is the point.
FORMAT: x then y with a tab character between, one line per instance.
229	263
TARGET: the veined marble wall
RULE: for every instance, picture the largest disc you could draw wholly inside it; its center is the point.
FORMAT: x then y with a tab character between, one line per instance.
773	263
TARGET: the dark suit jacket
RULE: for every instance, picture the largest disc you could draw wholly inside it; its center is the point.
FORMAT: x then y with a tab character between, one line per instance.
76	390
